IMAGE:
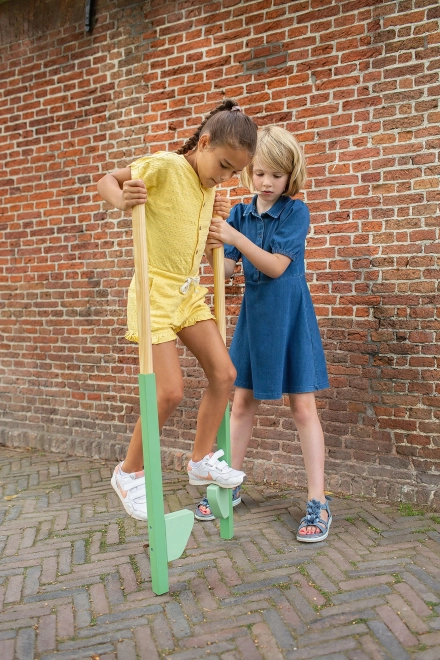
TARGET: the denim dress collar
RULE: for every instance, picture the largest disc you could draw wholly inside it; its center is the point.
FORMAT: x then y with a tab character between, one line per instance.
274	211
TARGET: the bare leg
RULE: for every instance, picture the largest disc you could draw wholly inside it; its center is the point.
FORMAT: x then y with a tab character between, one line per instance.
242	421
305	416
205	343
169	385
242	418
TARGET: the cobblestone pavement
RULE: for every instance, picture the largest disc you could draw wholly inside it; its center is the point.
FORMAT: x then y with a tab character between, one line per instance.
75	578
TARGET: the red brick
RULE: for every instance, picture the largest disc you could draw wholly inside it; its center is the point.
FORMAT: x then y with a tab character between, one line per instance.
344	81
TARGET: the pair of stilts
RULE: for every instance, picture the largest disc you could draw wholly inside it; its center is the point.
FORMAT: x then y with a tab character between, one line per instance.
169	533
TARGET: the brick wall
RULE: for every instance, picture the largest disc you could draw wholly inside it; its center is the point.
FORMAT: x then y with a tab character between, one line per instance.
358	84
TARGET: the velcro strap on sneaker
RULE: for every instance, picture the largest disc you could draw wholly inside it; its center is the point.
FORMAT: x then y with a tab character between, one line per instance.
221	465
135	483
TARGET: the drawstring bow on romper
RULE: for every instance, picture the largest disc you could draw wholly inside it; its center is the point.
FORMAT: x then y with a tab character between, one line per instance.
185	286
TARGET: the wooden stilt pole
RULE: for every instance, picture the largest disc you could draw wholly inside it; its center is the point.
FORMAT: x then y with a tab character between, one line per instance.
168	534
220	499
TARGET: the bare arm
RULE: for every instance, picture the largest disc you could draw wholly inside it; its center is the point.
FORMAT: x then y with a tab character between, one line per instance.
120	190
272	265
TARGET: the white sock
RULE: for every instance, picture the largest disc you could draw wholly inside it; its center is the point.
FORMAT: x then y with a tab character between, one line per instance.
195	463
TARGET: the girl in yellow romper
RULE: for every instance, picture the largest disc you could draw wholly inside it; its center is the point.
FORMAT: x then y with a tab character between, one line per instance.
180	188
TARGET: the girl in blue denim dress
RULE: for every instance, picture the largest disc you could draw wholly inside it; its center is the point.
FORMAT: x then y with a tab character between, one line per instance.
276	347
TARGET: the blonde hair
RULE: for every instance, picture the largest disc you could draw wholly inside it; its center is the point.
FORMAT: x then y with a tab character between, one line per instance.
281	152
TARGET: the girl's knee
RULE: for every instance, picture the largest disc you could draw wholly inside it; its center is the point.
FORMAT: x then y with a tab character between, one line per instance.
302	417
232	374
303	409
244	404
170	397
224	378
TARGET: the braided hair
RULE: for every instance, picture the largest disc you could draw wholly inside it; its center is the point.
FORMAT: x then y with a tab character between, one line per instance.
226	125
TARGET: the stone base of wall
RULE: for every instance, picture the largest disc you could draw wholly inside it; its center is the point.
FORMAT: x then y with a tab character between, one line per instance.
421	488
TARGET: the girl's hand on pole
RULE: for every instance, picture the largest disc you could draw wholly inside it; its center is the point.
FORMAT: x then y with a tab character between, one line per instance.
213	243
134	193
221	232
222	206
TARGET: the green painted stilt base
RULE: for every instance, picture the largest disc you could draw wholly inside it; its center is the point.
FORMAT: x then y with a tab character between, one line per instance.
169	534
221	498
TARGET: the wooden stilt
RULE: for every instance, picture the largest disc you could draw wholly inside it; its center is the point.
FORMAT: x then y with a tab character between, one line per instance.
220	499
168	534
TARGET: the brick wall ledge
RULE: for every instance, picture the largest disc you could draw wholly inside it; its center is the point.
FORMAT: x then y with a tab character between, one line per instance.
355	479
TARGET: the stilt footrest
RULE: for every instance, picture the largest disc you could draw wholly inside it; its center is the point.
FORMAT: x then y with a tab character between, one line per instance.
178	526
218	499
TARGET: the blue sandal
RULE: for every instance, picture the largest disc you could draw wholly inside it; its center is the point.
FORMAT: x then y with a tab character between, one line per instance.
313	519
201	515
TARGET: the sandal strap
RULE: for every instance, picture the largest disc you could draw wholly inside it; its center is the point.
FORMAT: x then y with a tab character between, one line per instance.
320	524
313	515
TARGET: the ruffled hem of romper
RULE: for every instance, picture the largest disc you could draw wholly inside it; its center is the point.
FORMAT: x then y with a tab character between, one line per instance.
203	316
132	336
155	338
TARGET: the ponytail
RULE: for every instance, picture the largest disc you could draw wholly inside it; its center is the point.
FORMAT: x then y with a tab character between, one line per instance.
227	125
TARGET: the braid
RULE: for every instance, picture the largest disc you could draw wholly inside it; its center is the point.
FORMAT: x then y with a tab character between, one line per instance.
191	143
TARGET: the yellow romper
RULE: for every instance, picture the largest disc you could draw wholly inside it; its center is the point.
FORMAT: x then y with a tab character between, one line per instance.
179	212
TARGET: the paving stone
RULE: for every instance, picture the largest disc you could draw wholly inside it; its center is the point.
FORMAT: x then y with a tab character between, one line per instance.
113	632
25	644
408	615
189	606
162	633
396	625
434	624
278	629
431	639
323	650
69	588
423	576
78	654
7	649
130	613
32	581
430	654
357	594
339	631
126	650
419	587
300	604
258	585
65	623
14	589
388	640
145	645
81	604
177	620
79	552
47	633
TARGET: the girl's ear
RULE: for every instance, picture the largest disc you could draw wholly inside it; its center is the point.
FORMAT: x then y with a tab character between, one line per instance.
204	142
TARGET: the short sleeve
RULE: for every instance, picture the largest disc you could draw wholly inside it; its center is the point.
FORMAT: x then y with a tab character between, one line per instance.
290	236
234	219
147	169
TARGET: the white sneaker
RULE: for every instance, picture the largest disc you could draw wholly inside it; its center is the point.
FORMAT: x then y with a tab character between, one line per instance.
130	488
212	471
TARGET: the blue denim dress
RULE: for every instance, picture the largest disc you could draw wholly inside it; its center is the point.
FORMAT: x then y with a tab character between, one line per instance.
277	347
